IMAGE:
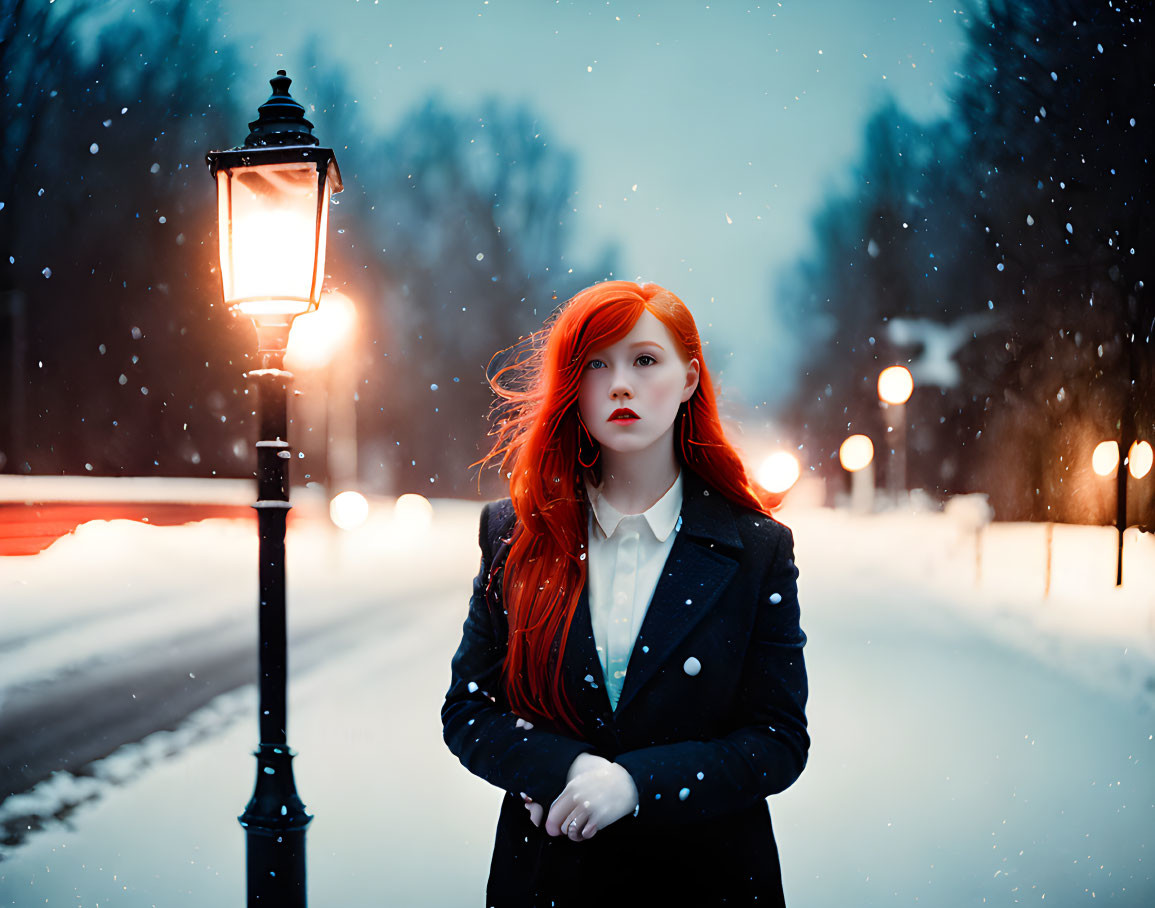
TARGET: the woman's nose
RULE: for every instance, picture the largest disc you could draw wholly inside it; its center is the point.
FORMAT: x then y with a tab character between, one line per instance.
620	384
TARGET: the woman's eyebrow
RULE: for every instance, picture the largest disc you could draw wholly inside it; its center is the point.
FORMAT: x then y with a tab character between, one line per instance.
595	354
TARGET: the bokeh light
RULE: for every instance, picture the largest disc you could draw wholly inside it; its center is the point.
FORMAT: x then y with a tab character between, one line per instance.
413	512
855	453
349	510
895	385
1139	459
1105	458
317	336
778	472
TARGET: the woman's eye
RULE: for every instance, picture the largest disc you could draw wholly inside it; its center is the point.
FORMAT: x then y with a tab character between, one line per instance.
594	364
646	360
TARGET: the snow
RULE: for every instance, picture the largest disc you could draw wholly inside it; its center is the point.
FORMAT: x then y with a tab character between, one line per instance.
143	584
373	798
975	742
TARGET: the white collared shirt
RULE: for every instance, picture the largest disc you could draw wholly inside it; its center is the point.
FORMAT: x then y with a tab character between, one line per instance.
626	555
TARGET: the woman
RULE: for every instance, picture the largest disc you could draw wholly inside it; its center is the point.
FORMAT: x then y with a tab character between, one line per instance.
632	538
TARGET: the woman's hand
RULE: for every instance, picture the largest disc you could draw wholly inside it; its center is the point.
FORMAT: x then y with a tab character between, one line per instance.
585	762
597	794
582	762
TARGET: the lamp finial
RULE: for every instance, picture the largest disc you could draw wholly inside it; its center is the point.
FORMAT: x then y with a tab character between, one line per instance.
282	119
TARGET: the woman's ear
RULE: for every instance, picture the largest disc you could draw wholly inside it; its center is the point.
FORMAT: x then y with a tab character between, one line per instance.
693	371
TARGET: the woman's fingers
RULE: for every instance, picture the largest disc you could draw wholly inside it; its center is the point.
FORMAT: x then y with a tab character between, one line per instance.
590	829
535	812
563	815
577	819
521	723
558	815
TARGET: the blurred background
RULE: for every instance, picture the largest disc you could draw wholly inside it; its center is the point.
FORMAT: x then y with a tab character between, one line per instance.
915	237
832	188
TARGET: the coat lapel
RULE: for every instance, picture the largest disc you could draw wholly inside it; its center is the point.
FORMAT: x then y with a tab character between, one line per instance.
696	573
586	681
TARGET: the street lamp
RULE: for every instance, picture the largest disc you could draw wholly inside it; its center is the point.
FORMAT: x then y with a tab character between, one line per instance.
1140	459
317	339
273	205
1105	458
318	344
777	474
1105	462
856	455
895	386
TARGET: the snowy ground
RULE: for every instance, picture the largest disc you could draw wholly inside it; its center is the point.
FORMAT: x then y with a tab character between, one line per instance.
973	743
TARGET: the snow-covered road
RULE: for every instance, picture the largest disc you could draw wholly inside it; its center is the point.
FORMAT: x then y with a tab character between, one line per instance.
961	754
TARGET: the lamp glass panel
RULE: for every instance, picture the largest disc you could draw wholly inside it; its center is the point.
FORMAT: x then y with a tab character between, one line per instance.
322	234
223	238
271	226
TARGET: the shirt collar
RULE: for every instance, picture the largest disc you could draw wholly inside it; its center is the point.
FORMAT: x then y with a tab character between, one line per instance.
661	517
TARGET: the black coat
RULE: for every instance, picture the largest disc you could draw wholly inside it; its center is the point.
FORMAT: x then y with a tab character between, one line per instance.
704	748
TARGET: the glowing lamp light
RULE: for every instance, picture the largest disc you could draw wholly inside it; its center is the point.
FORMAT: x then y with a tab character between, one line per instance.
413	513
895	385
273	210
316	336
349	510
778	472
1105	458
1139	459
856	453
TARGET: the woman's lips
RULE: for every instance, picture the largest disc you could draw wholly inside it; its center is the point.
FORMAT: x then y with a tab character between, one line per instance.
623	415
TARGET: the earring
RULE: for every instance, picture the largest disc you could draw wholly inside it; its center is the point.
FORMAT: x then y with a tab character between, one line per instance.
589	438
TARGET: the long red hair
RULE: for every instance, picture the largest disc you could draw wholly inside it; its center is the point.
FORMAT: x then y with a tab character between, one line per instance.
539	443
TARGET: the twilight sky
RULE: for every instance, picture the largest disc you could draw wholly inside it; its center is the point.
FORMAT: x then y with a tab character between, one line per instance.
707	133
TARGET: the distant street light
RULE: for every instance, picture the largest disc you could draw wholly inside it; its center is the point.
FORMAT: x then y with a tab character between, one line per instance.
1105	462
319	343
1139	459
412	515
273	208
349	510
1105	458
778	472
856	455
895	386
318	336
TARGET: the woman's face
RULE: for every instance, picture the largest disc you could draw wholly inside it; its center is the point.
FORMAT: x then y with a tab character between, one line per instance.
643	373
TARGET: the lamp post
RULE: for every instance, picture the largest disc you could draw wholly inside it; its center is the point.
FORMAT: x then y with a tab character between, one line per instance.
273	205
895	386
856	455
1105	462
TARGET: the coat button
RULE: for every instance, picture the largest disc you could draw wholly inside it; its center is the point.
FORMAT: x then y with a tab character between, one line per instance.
692	666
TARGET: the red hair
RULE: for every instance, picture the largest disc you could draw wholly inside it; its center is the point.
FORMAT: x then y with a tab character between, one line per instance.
539	443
